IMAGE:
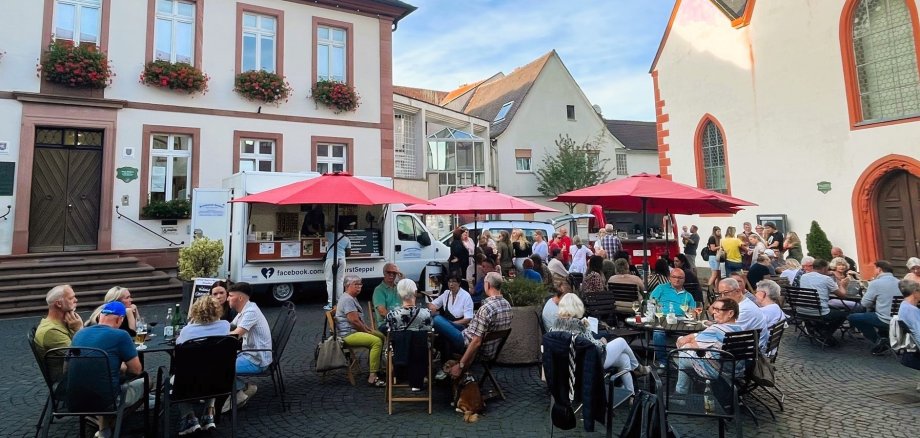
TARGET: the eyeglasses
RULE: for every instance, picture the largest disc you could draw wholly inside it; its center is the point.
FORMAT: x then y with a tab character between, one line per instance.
677	277
716	309
391	272
724	292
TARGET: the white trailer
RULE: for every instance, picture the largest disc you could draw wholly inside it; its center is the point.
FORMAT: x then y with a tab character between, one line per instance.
263	244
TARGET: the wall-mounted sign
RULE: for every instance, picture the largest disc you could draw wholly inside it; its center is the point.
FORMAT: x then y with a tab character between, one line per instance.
824	187
4	147
7	177
126	174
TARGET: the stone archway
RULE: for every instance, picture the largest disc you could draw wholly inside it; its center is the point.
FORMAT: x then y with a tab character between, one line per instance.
865	200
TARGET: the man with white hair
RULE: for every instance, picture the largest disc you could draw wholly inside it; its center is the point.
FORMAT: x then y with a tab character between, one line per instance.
808	265
57	329
749	315
611	242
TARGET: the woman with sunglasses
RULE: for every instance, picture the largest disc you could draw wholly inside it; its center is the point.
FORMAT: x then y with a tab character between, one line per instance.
725	313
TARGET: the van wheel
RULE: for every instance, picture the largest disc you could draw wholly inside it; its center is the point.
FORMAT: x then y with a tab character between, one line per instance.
282	292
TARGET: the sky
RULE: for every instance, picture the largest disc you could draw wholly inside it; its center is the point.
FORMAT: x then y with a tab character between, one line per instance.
607	45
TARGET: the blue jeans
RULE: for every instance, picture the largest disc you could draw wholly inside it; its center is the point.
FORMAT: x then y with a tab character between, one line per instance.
869	325
245	366
660	342
732	267
450	331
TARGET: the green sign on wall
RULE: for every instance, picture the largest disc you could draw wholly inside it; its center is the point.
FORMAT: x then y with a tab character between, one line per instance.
126	174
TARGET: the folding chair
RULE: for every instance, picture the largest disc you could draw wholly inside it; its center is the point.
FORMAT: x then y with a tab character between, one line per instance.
498	337
350	352
720	371
281	333
744	346
191	381
806	312
409	360
601	305
771	351
83	388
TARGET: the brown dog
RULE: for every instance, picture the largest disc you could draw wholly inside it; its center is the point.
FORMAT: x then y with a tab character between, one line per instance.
470	402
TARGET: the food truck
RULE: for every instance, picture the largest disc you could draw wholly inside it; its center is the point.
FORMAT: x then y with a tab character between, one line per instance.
264	243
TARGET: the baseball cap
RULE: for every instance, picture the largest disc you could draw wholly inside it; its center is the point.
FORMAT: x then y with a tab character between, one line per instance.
769	253
113	308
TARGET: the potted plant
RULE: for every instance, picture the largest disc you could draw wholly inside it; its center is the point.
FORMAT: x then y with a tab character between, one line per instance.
201	258
338	96
263	86
178	76
172	209
527	299
76	66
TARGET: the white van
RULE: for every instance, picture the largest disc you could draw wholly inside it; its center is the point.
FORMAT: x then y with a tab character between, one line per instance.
494	226
263	244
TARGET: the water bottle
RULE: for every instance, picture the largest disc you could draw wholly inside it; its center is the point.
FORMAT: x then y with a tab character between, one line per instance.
650	308
709	402
167	326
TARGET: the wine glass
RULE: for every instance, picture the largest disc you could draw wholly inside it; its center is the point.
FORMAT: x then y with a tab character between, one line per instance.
684	307
659	313
636	305
699	311
153	323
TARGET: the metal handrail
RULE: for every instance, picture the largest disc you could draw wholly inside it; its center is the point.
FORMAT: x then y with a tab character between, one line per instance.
171	243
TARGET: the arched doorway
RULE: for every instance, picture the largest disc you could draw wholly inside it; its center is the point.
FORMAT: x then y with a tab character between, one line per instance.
886	212
898	209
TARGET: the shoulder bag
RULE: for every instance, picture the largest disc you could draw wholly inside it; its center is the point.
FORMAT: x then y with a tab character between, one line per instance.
329	355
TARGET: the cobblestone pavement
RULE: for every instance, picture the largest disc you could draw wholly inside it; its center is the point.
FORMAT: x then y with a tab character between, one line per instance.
836	392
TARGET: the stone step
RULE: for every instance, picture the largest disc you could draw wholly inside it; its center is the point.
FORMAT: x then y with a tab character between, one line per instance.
61	256
20	290
69	277
54	265
89	300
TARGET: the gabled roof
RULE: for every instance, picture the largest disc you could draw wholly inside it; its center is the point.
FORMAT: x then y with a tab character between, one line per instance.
635	135
489	97
433	97
463	89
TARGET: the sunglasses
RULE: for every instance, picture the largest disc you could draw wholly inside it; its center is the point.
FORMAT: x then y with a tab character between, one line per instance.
391	272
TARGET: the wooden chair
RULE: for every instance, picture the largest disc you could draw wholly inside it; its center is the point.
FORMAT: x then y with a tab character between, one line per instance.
391	373
350	352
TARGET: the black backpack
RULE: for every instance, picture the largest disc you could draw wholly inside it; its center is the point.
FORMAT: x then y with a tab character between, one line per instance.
644	420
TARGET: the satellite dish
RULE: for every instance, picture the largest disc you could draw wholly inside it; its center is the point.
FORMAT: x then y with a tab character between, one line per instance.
597	109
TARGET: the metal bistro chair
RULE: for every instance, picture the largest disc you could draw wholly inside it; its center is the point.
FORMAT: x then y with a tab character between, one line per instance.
624	295
601	305
409	360
281	333
806	311
84	388
721	367
192	382
771	351
48	380
498	337
744	346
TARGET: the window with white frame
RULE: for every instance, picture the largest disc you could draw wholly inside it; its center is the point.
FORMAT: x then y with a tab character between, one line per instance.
503	111
405	164
594	158
175	31
170	167
621	164
331	158
78	20
259	42
331	45
257	155
522	160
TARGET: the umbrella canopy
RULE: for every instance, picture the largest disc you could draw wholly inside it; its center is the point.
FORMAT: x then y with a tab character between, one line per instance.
332	188
478	200
660	195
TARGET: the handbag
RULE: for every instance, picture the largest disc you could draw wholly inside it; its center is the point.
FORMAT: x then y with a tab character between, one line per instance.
763	373
705	253
330	355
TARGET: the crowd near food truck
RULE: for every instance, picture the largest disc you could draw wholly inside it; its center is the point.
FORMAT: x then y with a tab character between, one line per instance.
268	245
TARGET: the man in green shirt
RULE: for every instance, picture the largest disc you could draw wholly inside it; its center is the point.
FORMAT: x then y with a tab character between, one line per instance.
385	297
58	328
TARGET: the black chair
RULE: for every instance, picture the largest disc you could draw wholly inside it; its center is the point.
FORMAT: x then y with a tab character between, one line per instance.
83	387
721	377
896	305
47	378
575	279
409	355
281	333
601	305
695	290
771	351
805	306
624	295
499	337
202	368
744	346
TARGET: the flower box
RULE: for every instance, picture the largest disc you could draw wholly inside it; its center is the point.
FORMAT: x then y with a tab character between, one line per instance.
263	86
76	66
180	76
338	96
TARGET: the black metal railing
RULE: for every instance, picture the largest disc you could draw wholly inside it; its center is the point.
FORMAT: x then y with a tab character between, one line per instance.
120	216
9	208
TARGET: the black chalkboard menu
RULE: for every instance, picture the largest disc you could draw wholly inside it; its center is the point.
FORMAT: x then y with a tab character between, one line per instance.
364	241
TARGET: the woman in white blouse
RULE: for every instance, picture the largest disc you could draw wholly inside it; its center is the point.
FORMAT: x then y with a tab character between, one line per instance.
455	304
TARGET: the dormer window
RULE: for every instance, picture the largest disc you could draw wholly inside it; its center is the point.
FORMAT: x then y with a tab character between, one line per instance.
503	112
733	8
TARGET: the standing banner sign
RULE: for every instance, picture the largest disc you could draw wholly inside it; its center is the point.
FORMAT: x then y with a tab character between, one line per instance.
200	288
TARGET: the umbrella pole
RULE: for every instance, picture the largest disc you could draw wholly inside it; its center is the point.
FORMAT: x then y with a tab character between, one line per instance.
476	244
667	226
335	256
645	235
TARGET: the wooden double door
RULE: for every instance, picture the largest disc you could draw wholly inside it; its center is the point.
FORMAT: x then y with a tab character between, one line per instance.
66	189
898	207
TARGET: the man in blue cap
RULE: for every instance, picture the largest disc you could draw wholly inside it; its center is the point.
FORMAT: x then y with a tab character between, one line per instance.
120	349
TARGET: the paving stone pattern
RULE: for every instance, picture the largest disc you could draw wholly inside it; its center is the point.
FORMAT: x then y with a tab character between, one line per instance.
835	392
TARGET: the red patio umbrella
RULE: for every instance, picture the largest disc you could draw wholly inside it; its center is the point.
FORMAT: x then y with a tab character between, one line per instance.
332	188
651	193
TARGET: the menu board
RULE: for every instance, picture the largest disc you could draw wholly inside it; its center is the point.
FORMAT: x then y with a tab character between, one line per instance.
364	241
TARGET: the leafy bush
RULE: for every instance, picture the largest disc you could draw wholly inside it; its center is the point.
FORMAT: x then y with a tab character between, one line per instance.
80	66
336	95
200	259
521	292
174	209
818	245
262	86
179	76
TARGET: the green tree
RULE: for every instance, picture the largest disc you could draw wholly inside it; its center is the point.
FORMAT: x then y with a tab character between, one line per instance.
819	246
573	166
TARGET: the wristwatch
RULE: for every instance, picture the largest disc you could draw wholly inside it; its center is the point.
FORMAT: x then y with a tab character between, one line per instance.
460	364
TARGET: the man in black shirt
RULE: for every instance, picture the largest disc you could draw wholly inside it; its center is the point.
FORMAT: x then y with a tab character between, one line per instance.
691	243
774	239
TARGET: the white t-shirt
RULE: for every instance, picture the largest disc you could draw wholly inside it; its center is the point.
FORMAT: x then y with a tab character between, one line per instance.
579	258
772	314
195	330
342	244
750	318
460	307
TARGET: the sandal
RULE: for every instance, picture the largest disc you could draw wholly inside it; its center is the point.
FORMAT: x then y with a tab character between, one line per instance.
379	383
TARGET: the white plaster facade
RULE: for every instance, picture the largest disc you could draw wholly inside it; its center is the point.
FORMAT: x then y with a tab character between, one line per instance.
776	86
217	114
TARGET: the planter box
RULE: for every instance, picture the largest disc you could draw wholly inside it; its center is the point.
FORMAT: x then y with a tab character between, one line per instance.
523	345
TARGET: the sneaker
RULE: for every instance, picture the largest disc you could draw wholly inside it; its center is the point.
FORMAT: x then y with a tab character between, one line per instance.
207	422
104	433
441	375
188	425
241	399
642	370
328	306
880	348
250	389
415	389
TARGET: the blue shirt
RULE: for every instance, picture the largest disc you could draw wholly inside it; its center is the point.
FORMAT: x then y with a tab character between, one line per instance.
117	344
342	245
908	313
668	297
531	275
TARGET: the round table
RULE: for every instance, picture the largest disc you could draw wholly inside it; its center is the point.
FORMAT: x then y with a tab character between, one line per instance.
677	329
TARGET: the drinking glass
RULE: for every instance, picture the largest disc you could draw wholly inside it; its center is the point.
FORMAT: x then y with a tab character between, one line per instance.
636	305
684	307
140	332
699	311
659	314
